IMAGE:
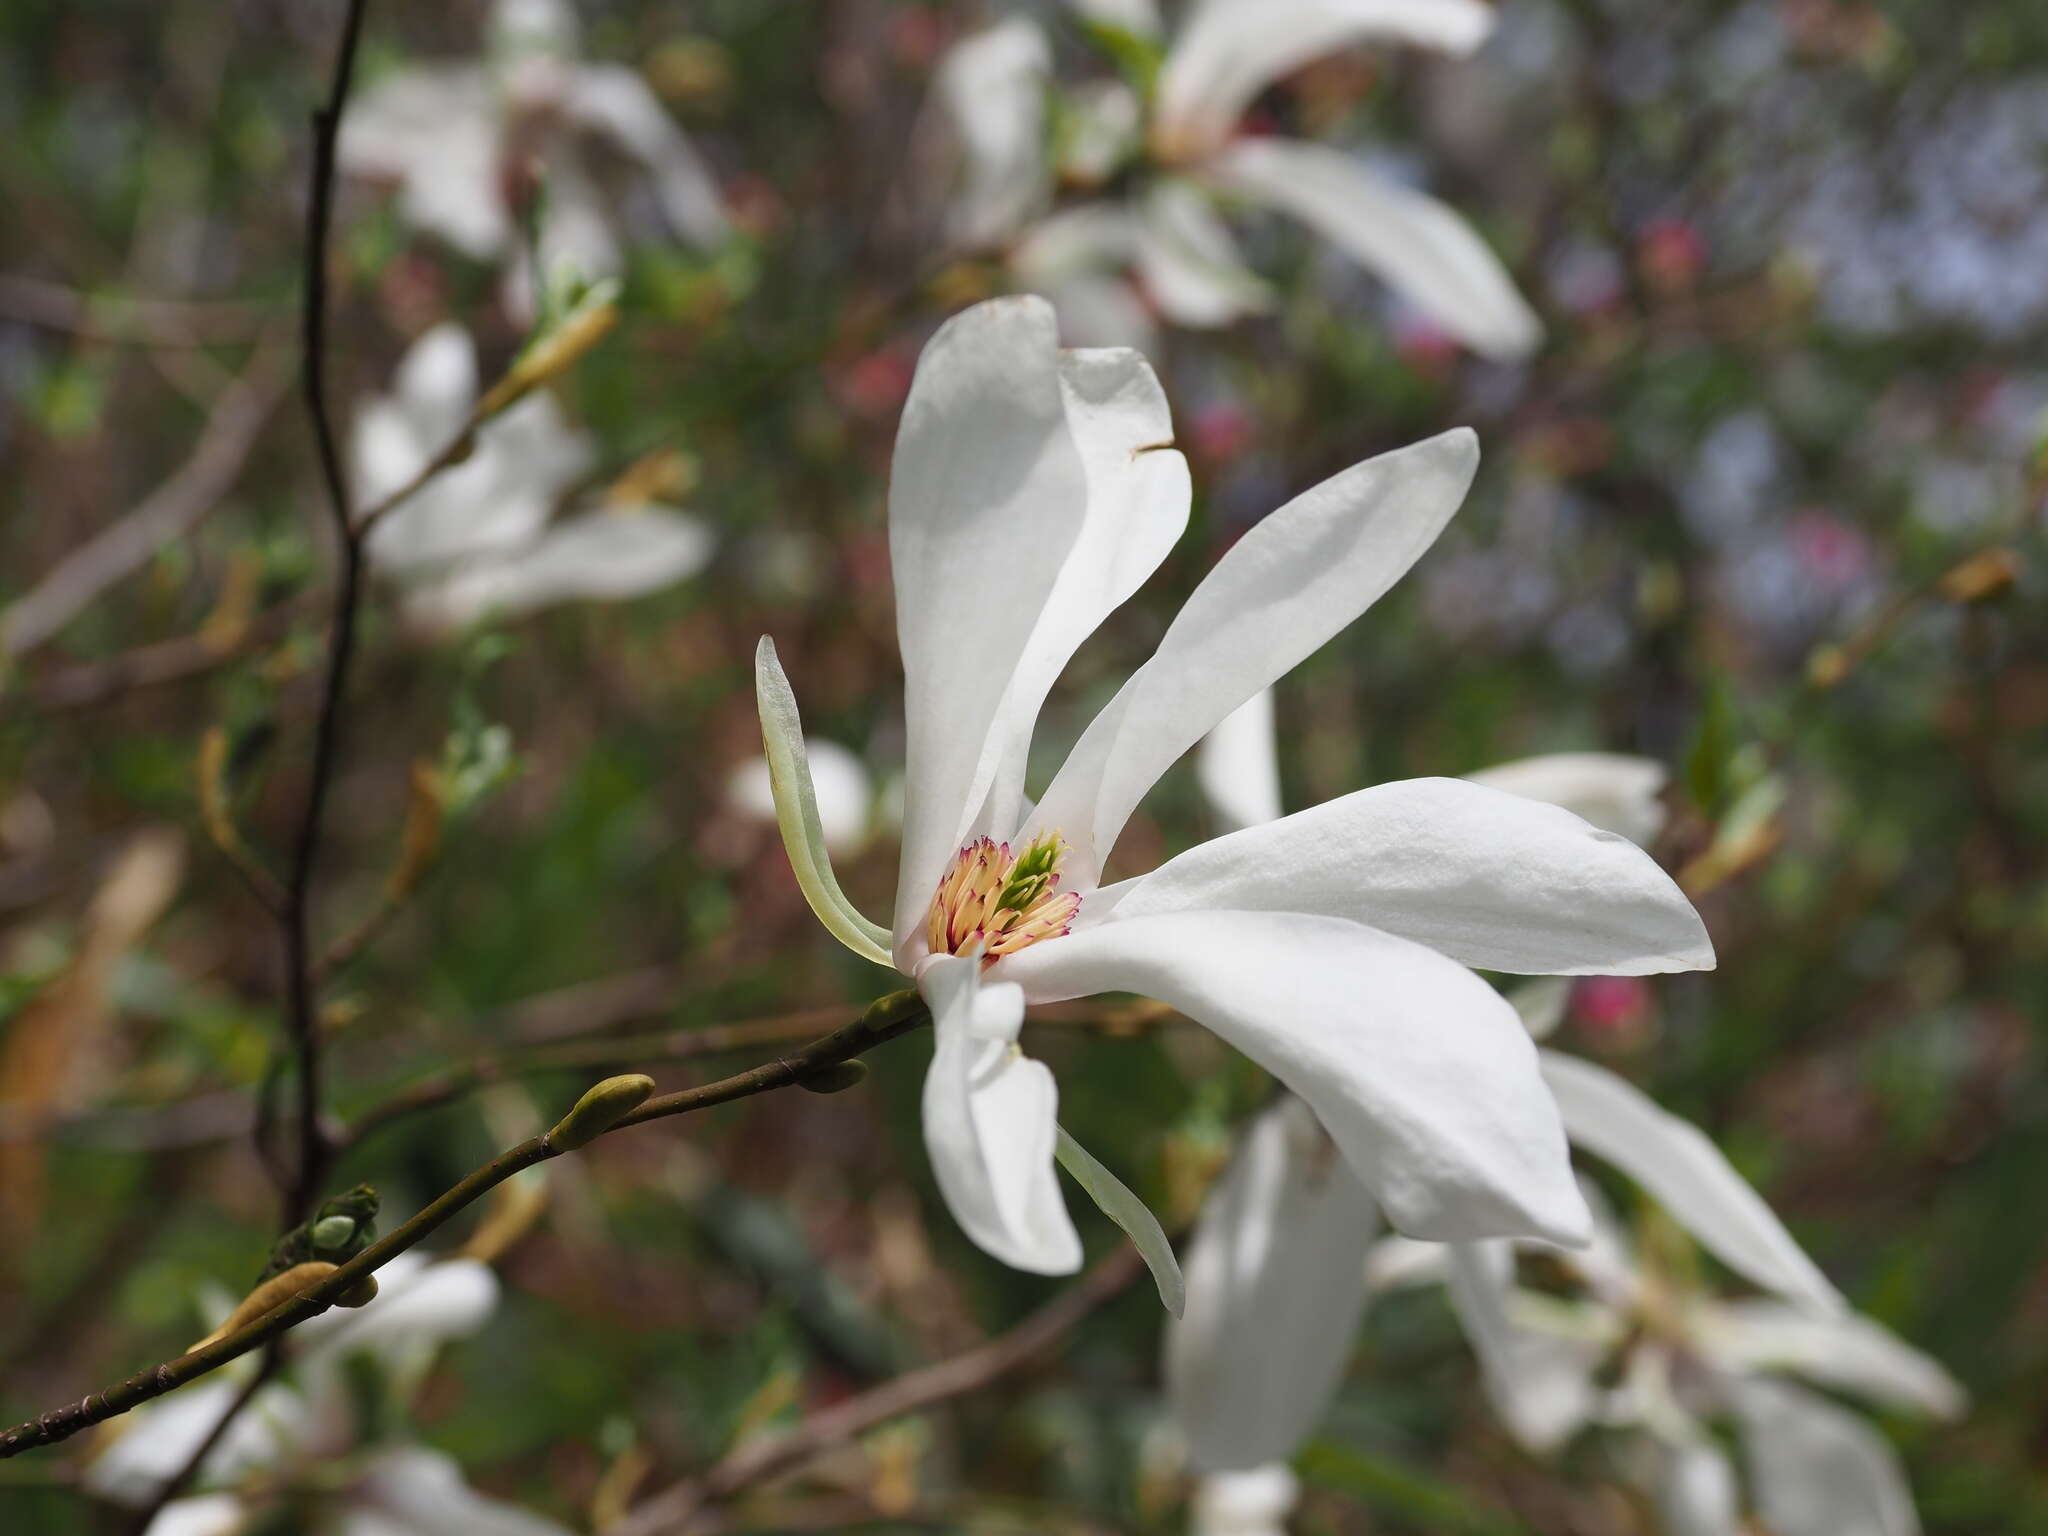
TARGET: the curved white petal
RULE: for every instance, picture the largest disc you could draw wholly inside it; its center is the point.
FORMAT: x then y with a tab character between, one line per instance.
1542	1385
1849	1351
211	1514
1136	508
992	88
990	1122
1490	879
438	134
1238	765
1230	50
1685	1173
797	813
597	557
1252	1503
1421	1072
1817	1469
1615	792
1116	1200
1276	1289
156	1440
1696	1491
987	496
1100	311
614	100
1395	1263
1420	247
420	1305
1541	1002
1188	261
1140	18
409	1489
844	791
1283	589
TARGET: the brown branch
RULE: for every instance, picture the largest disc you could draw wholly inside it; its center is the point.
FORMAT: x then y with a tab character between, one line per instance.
675	1508
884	1019
149	322
167	513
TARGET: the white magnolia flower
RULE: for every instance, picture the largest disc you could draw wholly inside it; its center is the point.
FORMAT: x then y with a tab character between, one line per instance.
456	137
1277	1272
476	540
1255	1503
308	1423
839	779
1032	492
1168	230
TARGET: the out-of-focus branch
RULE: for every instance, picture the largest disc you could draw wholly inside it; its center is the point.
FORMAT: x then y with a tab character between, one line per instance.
673	1510
165	514
884	1019
146	322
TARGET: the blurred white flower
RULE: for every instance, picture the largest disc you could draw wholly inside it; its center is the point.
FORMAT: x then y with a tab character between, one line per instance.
1032	492
845	791
476	540
1254	1503
457	138
310	1421
1168	230
1277	1272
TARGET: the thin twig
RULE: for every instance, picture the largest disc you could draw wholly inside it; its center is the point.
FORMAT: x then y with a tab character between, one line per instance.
165	514
301	990
180	1479
885	1019
673	1509
147	322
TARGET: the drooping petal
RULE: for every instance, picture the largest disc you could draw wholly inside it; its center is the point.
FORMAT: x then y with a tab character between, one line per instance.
1136	508
1421	248
1849	1351
841	786
1238	765
1230	50
1541	1384
1253	1503
1283	589
992	88
1685	1173
1696	1492
986	498
408	1489
1421	1072
1115	1199
1817	1469
796	812
1615	792
1490	879
1188	261
1276	1288
990	1122
597	557
615	100
438	134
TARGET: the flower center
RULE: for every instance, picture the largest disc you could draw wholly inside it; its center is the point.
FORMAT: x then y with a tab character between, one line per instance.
1001	900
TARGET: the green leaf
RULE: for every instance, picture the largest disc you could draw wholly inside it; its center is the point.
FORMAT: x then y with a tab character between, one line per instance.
796	813
1117	1202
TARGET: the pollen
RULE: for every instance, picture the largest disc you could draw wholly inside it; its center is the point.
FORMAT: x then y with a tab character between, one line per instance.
1001	900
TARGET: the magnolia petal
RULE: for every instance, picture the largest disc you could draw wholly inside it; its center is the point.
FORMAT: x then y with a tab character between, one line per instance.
990	1122
1100	311
1420	247
1238	765
413	1490
1849	1351
1695	1489
1230	50
1283	589
796	812
598	557
992	88
1076	258
1276	1289
155	1442
211	1514
1490	879
438	134
420	1305
1140	18
1253	1503
1396	1263
1817	1469
1421	1072
1137	506
987	496
1542	1385
1686	1174
1615	792
1188	261
842	788
615	100
1116	1201
1541	1003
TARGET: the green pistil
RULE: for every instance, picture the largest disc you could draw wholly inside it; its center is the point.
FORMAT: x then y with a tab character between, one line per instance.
1032	874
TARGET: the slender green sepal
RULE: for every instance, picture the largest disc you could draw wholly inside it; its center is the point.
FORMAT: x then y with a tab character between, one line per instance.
1129	1212
796	813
